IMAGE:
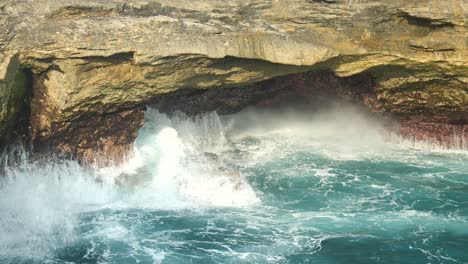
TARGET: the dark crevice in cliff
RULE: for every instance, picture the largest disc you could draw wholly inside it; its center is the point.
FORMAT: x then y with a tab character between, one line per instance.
114	58
430	49
20	108
426	22
324	1
314	89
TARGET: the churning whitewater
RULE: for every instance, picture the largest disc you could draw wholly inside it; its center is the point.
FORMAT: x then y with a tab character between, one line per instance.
255	187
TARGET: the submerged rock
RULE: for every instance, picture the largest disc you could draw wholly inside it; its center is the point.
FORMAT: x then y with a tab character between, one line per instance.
95	63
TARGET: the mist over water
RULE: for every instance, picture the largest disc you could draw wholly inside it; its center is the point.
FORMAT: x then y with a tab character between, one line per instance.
260	186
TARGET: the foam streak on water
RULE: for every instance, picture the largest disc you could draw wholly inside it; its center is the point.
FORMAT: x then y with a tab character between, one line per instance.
255	187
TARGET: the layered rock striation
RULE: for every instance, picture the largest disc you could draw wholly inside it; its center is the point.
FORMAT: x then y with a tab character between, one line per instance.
94	64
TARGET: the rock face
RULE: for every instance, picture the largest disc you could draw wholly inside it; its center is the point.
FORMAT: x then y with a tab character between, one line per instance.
7	76
95	63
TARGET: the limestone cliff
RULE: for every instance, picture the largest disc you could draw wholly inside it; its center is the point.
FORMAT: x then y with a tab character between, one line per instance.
97	61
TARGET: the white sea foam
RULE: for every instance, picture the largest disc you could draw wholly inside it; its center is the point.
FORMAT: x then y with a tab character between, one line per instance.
181	156
40	202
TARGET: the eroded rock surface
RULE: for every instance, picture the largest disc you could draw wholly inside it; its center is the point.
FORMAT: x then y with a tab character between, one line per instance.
96	59
10	94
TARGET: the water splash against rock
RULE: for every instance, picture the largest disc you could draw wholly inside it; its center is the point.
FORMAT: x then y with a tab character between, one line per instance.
263	187
171	169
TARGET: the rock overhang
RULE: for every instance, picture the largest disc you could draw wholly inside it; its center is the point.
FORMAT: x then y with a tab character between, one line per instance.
100	58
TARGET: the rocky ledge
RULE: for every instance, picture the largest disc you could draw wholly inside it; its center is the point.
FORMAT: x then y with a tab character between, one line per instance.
75	75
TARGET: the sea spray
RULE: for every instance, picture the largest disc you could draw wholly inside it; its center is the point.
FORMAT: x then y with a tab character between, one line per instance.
178	154
38	204
41	200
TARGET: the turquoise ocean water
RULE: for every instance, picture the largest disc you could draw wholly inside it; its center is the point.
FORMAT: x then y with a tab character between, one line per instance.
255	187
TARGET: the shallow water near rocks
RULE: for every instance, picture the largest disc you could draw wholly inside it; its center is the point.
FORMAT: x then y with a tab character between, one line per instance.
255	187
